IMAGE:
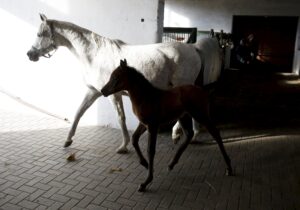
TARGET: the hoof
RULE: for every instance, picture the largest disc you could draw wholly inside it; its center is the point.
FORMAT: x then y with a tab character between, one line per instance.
194	141
170	167
68	143
229	172
122	150
142	188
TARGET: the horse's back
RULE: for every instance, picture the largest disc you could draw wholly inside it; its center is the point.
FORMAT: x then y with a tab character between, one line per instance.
165	64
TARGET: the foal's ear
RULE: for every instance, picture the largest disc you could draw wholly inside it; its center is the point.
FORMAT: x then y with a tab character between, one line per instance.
43	17
123	63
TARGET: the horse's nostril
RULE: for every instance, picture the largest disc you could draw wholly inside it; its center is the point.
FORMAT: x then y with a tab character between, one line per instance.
32	55
29	53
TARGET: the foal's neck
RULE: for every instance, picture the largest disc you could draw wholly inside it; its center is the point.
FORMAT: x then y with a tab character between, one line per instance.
140	89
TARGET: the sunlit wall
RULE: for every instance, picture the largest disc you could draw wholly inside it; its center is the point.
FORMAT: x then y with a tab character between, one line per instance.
56	84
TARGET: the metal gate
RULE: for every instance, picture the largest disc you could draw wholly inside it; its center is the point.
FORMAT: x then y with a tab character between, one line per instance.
174	34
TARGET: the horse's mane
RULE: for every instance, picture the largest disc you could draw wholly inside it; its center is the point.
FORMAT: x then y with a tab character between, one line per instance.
81	33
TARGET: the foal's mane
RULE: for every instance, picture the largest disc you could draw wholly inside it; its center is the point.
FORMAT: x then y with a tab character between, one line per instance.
138	79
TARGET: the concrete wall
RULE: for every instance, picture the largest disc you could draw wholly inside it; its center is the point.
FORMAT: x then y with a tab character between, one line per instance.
55	84
217	14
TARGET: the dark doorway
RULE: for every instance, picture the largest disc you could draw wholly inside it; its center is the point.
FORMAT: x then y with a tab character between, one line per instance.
273	46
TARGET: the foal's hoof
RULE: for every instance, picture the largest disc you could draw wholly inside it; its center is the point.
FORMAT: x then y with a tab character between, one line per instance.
68	143
122	150
229	172
142	188
170	167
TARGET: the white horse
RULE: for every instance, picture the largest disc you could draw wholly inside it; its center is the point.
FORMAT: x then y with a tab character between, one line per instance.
165	65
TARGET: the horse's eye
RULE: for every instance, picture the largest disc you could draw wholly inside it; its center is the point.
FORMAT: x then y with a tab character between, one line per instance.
39	35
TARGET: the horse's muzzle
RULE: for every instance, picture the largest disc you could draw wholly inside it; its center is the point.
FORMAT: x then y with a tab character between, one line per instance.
32	55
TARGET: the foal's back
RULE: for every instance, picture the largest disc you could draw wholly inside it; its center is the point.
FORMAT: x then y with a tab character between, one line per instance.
183	99
192	97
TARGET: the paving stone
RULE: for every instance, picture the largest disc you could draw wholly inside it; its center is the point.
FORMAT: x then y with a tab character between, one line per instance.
9	206
34	173
28	204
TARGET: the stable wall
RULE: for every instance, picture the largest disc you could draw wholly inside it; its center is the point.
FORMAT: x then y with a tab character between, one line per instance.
217	14
55	84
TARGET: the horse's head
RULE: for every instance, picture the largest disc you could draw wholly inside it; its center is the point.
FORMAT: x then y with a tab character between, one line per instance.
117	81
44	42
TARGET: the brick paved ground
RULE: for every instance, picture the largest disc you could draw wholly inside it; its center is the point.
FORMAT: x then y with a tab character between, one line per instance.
34	173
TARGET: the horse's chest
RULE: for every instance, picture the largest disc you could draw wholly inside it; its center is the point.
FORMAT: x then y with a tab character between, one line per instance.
95	76
145	112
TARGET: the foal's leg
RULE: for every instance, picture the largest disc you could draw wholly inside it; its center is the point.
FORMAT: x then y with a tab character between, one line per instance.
90	97
216	135
151	152
187	127
118	105
135	142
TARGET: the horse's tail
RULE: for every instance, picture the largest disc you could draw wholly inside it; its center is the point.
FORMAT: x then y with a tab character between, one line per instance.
209	52
200	77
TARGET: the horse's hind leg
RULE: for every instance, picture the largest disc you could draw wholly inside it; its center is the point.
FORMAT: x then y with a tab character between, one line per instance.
187	127
196	127
176	132
88	100
135	142
118	105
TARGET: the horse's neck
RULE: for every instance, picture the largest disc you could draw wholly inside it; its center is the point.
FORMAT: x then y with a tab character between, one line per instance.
83	43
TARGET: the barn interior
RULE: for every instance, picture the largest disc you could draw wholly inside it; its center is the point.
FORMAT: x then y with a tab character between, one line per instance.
255	104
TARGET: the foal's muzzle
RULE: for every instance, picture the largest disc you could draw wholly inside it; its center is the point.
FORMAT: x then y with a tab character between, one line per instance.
104	91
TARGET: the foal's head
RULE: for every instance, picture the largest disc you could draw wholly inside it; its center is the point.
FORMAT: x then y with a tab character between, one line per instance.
118	79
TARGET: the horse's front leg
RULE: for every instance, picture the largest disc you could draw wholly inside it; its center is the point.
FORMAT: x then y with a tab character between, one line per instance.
151	152
90	97
117	102
135	142
187	127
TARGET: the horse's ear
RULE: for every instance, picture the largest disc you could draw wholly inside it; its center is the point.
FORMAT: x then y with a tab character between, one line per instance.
43	17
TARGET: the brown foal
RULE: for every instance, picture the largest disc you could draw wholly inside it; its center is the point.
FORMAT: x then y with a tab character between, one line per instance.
154	107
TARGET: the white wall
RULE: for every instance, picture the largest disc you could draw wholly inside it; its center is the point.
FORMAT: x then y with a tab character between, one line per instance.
55	84
217	14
